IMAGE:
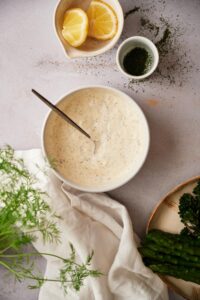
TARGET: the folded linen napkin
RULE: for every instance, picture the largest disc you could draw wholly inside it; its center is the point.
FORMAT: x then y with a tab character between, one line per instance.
93	222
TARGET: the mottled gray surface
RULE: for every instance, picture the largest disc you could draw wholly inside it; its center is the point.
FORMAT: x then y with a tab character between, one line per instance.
30	56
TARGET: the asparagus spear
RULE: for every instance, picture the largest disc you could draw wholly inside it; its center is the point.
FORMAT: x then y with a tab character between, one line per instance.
188	274
174	236
172	242
172	254
171	251
170	258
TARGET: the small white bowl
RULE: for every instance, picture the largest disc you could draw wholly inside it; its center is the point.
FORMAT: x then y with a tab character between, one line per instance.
91	47
134	171
131	43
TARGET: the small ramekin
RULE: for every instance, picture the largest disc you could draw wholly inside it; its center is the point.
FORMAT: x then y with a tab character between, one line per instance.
131	43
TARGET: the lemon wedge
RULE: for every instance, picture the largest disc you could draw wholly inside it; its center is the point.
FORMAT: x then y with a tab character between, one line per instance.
75	27
102	20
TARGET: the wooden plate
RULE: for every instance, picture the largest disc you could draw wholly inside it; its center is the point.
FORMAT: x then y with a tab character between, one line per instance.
165	217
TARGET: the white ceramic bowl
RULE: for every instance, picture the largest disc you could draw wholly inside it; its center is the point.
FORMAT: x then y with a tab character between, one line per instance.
131	43
133	171
91	47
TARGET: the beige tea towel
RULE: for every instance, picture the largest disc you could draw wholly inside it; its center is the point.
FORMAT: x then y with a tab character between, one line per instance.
93	222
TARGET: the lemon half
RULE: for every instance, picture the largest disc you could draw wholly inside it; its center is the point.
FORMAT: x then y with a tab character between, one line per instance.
75	27
103	21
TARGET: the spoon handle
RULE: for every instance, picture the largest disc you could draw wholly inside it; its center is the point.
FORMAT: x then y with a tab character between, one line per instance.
60	113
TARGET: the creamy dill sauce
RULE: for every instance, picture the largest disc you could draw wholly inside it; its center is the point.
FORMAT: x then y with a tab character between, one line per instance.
113	122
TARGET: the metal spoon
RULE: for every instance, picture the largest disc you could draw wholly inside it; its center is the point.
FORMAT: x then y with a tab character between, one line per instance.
61	113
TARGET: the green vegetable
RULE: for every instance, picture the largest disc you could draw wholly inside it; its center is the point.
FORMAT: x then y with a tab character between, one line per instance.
171	251
156	233
189	211
23	213
188	274
171	258
178	254
174	241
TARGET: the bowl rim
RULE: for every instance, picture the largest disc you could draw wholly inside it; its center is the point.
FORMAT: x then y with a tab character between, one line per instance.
149	44
102	50
113	186
171	192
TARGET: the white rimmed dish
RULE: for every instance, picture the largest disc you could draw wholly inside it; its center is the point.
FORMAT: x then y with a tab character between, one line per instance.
91	47
165	217
131	43
134	171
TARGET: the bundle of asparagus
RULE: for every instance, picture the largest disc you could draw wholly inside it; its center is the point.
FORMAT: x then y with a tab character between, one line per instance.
172	254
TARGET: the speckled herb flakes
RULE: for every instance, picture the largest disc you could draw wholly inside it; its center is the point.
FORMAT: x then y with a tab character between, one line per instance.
174	65
147	24
137	61
131	11
161	44
146	18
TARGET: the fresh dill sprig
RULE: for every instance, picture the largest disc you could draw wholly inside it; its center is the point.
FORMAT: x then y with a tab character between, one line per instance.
20	201
23	213
71	275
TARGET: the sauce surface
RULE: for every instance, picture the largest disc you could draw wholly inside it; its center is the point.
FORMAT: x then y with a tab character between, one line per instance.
116	126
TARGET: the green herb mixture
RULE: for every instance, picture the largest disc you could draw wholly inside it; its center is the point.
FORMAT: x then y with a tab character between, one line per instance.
137	61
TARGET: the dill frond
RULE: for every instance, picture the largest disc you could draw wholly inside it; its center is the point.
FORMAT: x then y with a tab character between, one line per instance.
23	213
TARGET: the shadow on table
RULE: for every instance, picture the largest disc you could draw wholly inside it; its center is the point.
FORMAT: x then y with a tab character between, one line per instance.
143	192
